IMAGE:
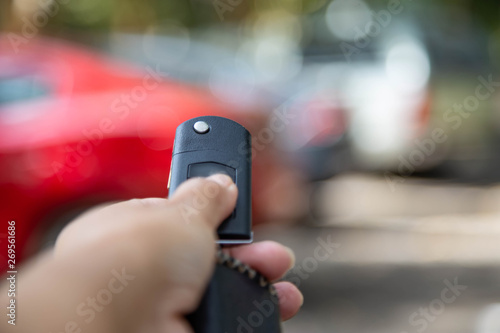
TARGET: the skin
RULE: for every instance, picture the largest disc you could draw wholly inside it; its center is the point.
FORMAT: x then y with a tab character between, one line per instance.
164	247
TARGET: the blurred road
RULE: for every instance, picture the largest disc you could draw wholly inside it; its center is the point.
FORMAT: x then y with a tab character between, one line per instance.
392	254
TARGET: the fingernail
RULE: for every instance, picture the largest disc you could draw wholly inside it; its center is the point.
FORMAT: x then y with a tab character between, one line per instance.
221	179
292	257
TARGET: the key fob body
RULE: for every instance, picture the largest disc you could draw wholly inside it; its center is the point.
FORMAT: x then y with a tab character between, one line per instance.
204	146
208	145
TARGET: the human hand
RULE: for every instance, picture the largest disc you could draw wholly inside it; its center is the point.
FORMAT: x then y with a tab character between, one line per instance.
141	265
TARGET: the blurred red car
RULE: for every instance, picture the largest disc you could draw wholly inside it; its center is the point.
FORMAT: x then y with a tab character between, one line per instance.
77	129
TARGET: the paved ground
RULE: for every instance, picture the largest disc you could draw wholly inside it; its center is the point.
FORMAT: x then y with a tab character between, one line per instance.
393	254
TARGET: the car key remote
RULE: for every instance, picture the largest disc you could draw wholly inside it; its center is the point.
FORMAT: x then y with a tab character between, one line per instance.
205	146
208	145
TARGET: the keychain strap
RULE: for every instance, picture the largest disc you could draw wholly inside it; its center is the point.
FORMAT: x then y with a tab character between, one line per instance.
237	299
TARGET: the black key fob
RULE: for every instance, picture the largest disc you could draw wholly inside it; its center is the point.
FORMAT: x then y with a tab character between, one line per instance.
208	145
238	298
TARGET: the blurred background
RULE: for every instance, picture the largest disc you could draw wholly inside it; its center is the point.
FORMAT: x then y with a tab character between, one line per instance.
376	129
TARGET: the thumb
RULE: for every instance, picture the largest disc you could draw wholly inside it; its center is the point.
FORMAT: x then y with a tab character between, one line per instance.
211	199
